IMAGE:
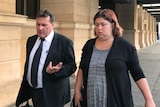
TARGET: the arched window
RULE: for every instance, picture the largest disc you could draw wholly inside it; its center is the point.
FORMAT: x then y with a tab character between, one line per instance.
27	7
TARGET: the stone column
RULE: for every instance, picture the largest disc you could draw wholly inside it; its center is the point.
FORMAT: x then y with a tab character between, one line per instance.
147	28
154	28
150	29
155	32
151	38
140	26
127	17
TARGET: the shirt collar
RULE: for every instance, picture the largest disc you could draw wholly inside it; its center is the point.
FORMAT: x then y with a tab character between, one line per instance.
50	36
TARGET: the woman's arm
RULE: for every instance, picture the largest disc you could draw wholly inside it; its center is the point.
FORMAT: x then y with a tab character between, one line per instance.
78	86
144	87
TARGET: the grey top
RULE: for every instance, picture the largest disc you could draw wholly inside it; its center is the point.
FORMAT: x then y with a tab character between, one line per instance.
97	84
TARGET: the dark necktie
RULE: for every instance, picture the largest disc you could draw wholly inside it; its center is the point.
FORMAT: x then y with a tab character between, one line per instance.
35	64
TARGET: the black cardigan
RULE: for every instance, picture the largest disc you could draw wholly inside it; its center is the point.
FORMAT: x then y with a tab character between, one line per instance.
121	59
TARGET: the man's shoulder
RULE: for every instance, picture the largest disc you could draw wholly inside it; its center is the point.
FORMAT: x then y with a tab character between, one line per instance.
33	36
61	37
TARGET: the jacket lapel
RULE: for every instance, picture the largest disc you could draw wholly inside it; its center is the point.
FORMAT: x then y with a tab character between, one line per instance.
51	50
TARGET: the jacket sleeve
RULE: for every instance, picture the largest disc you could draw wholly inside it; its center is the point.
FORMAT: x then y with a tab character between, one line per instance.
24	93
134	66
68	59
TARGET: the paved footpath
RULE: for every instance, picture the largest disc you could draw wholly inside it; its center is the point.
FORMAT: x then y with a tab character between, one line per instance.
149	58
150	62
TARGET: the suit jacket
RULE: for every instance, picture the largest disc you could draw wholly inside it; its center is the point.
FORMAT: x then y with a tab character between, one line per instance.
56	87
121	59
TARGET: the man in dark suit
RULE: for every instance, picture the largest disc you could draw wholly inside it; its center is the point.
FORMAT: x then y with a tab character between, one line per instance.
56	64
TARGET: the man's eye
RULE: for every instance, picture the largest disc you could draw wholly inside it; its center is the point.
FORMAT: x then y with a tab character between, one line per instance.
44	24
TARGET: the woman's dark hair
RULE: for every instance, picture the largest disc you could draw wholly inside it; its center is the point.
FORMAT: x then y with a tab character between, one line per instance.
109	15
45	13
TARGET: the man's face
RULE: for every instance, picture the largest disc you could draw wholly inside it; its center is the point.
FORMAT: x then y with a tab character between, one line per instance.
44	26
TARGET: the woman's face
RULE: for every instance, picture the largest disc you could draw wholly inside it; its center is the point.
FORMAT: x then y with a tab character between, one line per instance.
103	28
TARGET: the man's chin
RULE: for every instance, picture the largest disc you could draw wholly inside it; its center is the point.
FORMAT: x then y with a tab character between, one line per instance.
41	35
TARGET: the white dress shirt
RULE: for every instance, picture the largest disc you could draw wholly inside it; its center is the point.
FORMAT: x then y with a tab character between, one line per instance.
45	49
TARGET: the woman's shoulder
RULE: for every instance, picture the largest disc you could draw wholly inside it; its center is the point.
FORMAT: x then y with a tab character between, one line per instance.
89	42
123	41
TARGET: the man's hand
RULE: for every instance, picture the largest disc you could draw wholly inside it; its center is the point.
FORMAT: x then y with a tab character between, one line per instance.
53	69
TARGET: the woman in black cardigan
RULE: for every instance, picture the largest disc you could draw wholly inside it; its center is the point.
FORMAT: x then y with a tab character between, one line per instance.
105	65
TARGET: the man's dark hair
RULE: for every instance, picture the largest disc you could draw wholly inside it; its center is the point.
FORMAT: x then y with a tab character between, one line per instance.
45	13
